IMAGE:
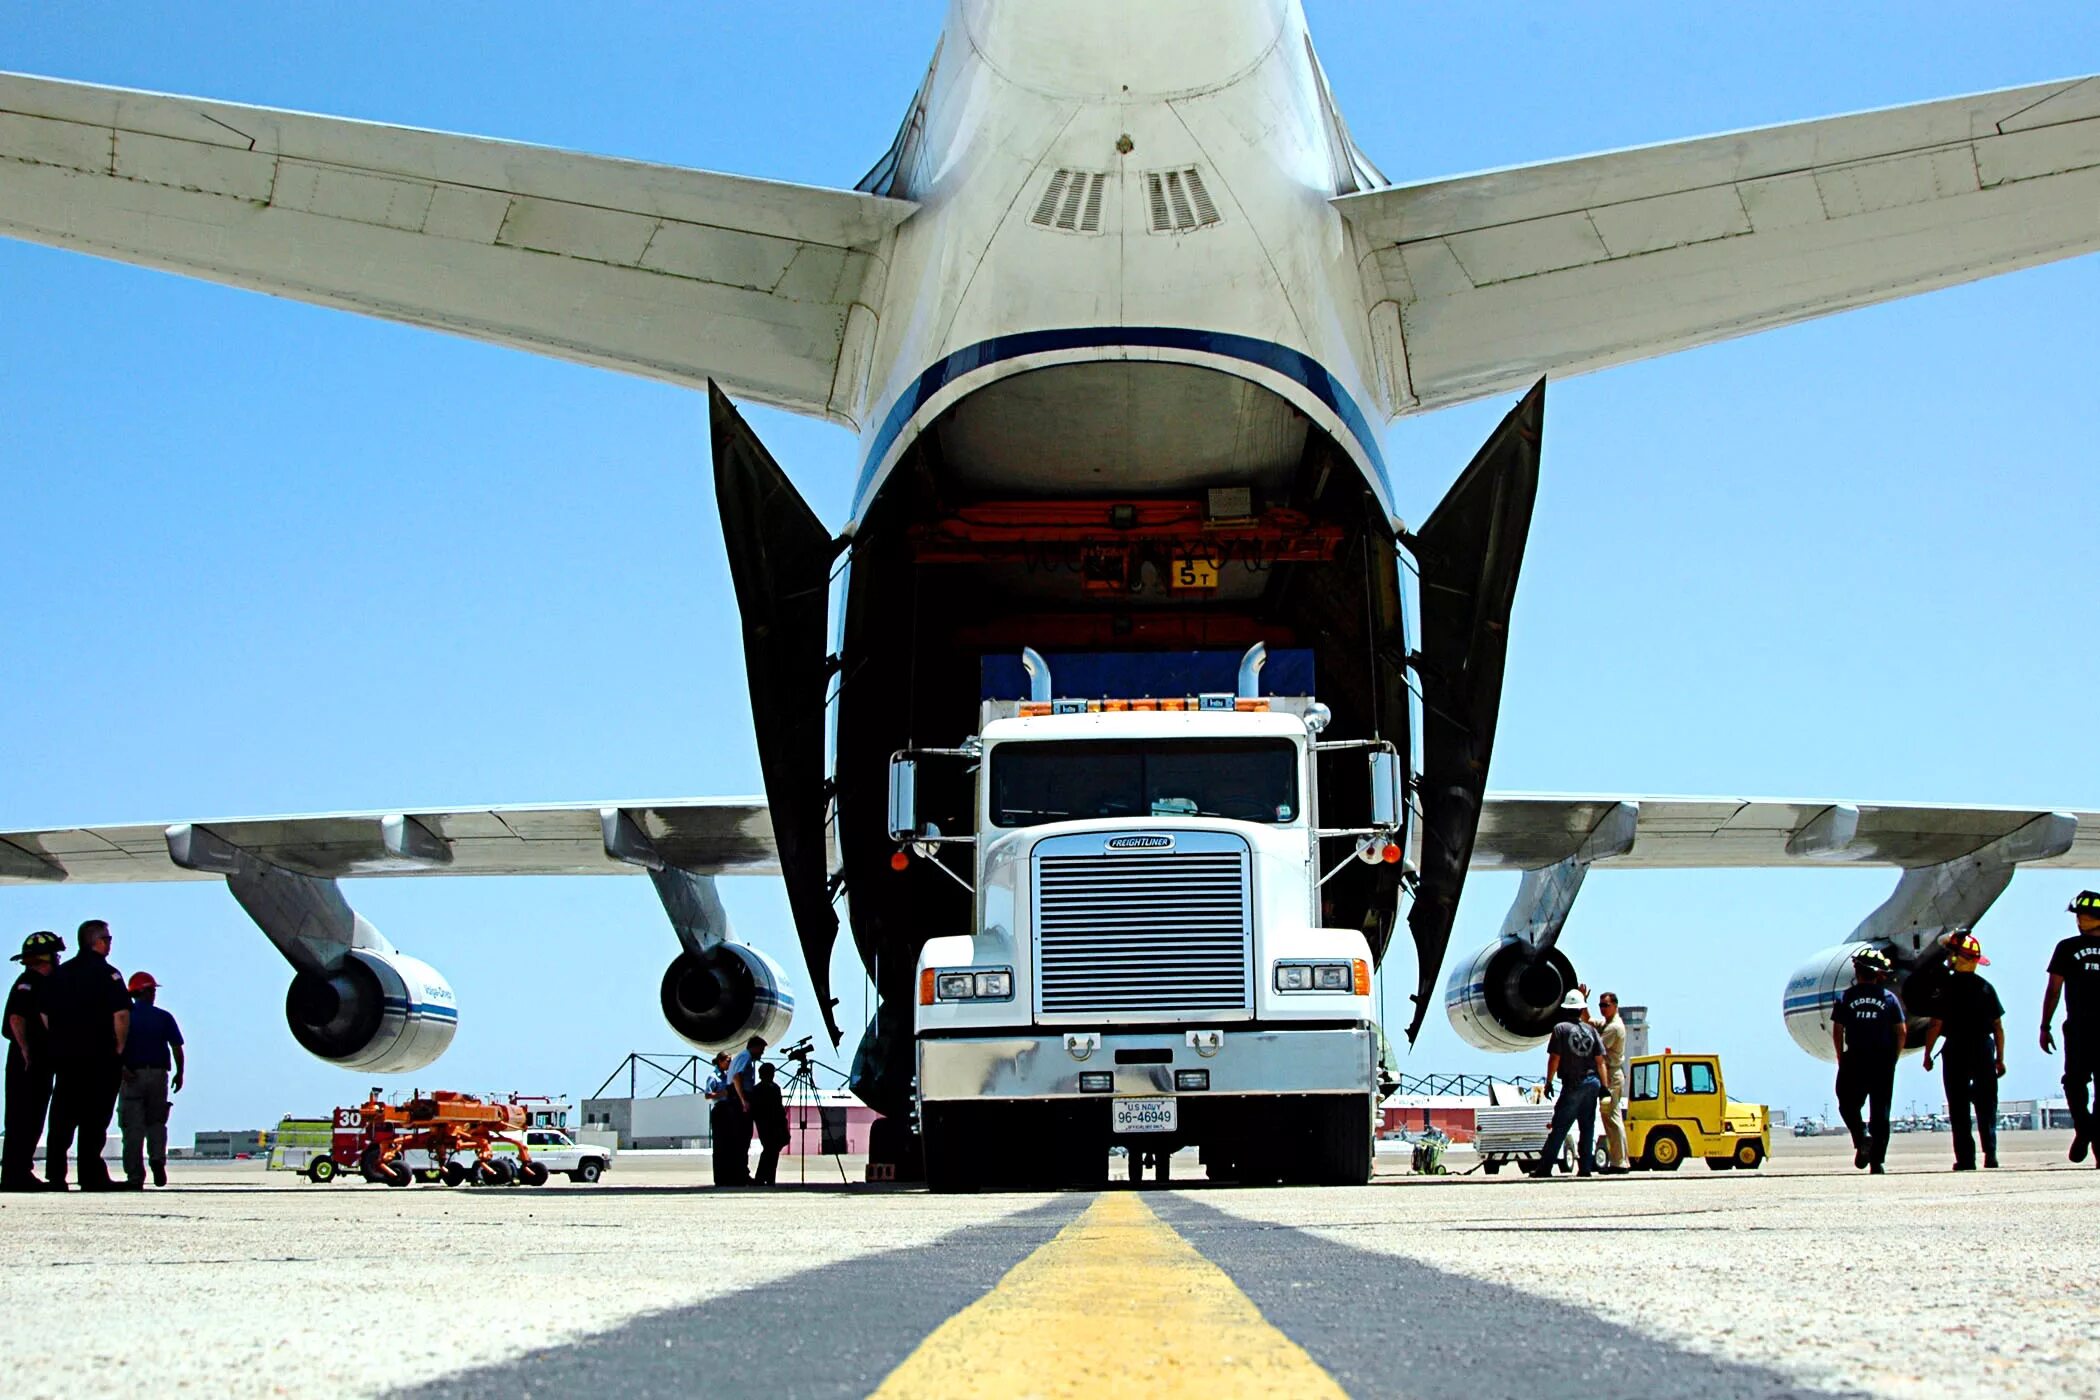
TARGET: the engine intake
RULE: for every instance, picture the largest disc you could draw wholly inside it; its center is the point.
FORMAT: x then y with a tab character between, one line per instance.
1506	996
382	1012
720	998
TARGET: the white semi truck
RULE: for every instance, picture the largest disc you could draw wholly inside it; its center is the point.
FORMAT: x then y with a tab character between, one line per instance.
1148	967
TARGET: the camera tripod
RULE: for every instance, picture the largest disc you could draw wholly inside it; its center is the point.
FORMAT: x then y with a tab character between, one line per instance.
801	1094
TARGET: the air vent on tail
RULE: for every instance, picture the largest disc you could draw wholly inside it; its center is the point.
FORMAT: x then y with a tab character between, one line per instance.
1071	202
1177	200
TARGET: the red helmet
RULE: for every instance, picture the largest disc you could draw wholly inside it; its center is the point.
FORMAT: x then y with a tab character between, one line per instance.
141	982
1964	945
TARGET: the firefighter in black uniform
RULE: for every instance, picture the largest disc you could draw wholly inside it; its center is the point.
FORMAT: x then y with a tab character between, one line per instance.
1968	1012
1867	1028
2074	975
28	1060
90	1013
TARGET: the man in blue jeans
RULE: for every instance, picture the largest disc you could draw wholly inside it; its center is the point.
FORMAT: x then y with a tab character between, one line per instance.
1575	1056
153	1048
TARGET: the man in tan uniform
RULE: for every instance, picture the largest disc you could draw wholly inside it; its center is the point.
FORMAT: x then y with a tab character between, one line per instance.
1614	1033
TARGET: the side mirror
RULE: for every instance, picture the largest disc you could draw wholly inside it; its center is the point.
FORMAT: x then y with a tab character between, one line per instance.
1385	789
904	797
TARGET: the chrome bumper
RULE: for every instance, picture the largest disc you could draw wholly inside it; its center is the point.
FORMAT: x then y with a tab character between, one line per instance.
1047	1066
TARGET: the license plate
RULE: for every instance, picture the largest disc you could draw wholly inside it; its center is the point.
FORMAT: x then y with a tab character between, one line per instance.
1142	1116
1195	573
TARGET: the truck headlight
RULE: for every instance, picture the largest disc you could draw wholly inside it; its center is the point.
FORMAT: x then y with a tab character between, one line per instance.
965	984
1352	976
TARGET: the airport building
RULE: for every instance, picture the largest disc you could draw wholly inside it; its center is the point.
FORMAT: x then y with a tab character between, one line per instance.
224	1145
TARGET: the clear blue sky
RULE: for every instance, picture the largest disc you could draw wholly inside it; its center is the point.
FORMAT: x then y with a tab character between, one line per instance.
263	557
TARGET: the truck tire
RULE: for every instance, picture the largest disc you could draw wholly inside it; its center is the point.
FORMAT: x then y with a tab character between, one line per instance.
532	1174
1219	1163
453	1174
944	1137
588	1171
1492	1166
368	1165
1749	1154
1074	1138
1085	1159
1342	1143
321	1170
1666	1150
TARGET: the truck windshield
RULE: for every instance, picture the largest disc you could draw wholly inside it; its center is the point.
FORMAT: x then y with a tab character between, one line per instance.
1248	780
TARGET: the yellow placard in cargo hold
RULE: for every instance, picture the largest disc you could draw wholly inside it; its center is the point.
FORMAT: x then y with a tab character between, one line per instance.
1195	573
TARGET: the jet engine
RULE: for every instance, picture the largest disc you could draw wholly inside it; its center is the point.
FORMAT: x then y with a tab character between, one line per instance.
1505	997
720	998
383	1012
1813	990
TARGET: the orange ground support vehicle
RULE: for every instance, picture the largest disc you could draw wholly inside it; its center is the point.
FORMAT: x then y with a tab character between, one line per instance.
447	1126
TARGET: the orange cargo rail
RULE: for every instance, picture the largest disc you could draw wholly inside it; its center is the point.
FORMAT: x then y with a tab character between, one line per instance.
445	1125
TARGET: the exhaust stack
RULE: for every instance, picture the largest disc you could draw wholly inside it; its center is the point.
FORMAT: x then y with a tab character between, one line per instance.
1038	673
1250	670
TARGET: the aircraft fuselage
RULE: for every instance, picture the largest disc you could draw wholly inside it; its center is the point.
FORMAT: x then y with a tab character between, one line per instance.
1119	395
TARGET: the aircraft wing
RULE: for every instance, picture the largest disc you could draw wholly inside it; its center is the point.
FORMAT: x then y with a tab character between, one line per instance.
681	275
1525	831
734	836
1483	283
708	836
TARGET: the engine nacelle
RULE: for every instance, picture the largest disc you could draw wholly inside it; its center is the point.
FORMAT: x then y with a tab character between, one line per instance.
719	999
382	1012
1507	995
1813	990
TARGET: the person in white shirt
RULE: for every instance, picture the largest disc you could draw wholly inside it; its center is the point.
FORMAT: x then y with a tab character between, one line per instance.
1614	1033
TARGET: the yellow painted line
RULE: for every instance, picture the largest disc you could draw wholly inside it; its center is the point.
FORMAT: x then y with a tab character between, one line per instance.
1117	1304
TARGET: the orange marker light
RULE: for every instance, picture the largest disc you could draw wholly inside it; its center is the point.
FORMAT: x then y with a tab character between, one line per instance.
1363	977
899	859
1031	709
1249	706
926	987
1390	854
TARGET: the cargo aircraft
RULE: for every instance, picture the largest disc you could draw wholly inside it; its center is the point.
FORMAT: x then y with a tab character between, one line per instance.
1117	317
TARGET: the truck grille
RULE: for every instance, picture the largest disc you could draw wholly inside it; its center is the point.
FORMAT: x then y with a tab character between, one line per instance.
1135	933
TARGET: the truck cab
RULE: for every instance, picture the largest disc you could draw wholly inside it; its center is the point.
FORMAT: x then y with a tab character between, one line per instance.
1148	967
1677	1107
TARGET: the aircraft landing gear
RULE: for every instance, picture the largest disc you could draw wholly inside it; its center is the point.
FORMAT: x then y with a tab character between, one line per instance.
1160	1160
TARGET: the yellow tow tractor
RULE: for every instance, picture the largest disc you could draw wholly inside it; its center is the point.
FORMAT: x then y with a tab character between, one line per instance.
1676	1108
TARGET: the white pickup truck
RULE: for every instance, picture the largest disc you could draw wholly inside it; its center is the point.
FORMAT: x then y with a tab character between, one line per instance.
557	1152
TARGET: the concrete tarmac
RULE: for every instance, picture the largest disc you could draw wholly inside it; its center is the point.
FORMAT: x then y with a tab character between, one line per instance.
1803	1277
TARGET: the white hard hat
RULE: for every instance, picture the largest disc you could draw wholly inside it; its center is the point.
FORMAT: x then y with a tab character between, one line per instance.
1575	1001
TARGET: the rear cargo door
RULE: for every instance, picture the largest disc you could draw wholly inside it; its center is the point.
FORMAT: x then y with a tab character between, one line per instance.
780	558
1468	552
